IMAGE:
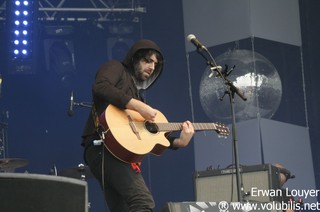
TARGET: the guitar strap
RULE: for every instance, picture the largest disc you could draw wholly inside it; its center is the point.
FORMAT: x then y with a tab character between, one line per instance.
95	117
98	127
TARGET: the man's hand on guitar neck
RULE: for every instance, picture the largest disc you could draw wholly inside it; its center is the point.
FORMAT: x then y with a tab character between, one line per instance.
147	112
185	135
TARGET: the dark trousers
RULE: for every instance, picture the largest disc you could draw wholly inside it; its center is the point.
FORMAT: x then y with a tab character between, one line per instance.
124	188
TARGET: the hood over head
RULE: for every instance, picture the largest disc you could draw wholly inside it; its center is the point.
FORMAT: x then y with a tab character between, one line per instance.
144	45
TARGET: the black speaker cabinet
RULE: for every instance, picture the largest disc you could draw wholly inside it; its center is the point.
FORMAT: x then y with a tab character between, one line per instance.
42	193
221	185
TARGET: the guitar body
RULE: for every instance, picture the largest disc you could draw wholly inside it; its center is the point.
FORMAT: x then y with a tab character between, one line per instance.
128	138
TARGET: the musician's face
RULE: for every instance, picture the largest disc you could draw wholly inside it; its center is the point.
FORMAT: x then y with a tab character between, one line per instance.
145	67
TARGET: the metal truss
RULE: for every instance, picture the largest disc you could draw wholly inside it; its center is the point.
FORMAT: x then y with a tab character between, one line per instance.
83	10
86	10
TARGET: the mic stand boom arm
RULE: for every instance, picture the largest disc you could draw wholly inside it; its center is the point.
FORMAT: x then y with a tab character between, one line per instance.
83	104
231	91
80	104
215	67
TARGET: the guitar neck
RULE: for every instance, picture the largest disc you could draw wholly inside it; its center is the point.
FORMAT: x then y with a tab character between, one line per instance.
178	126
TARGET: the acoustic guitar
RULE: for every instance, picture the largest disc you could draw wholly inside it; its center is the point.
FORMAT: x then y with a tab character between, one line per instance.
129	137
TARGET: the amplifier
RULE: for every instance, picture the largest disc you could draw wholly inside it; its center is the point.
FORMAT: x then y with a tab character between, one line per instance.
259	184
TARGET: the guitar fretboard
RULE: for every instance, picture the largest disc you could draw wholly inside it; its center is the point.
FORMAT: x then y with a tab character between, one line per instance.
178	126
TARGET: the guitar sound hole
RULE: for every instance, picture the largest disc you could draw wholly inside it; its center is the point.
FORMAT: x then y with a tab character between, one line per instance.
151	127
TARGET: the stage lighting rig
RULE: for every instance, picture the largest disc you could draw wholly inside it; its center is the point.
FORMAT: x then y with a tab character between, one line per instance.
20	22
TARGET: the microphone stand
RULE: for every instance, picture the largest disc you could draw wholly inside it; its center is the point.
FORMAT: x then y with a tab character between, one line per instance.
74	104
231	91
80	104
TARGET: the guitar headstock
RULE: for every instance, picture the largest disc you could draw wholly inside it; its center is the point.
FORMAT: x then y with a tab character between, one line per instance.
222	129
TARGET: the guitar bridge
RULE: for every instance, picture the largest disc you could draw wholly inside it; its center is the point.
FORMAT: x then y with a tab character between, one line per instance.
133	127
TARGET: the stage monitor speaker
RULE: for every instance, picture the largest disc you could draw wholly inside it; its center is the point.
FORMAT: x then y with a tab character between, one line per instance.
190	206
259	181
209	207
45	193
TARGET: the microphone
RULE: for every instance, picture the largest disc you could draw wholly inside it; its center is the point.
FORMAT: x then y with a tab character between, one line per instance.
286	173
70	112
192	38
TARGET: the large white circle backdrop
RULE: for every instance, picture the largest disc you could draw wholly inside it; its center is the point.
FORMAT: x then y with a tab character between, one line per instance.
254	75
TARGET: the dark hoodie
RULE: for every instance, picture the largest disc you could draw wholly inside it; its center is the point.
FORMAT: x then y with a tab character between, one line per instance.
114	84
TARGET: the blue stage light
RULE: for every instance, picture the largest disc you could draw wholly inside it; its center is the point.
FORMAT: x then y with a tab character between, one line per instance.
21	19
